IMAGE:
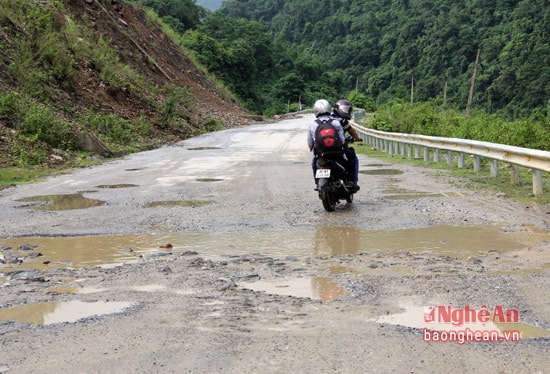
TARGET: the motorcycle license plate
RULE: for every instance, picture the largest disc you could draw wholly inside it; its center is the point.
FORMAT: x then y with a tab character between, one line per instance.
322	173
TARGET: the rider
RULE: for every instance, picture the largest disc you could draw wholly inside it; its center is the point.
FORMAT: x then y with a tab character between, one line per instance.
342	112
322	110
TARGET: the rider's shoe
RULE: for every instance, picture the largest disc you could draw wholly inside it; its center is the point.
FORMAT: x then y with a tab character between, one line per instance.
354	187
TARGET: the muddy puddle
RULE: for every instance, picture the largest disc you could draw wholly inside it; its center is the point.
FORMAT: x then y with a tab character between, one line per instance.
61	202
453	241
68	201
414	316
53	312
322	288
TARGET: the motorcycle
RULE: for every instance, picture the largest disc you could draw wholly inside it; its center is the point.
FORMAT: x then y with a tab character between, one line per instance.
332	181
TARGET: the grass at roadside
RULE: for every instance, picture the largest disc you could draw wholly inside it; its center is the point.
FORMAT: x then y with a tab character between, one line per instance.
12	176
523	192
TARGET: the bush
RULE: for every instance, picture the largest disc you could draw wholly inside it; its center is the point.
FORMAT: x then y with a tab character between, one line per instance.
9	106
429	119
40	124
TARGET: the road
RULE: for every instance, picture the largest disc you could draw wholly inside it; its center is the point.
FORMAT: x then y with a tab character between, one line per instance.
232	265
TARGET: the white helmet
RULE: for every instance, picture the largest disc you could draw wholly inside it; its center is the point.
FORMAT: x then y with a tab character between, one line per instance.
321	106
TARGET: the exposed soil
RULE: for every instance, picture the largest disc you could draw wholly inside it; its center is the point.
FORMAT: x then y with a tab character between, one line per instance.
144	47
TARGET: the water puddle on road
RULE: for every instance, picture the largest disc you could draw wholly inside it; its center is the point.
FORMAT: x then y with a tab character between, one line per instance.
54	312
324	289
69	201
61	202
453	241
413	316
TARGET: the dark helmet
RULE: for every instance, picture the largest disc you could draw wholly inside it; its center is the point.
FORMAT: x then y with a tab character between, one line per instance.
343	108
321	106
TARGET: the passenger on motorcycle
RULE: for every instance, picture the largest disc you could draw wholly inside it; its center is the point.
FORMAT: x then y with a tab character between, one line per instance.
342	112
322	110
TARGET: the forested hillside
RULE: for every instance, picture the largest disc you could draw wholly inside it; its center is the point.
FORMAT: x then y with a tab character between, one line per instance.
379	47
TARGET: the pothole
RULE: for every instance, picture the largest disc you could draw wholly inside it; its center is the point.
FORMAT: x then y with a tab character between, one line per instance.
324	288
112	250
53	312
61	202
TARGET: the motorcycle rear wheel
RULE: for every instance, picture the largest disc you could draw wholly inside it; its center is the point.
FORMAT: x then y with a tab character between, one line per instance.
329	200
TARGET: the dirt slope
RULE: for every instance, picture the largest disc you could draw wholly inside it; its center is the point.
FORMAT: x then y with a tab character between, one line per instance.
142	45
147	49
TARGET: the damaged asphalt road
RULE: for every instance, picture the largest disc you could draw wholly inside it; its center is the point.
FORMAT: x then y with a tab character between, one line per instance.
215	255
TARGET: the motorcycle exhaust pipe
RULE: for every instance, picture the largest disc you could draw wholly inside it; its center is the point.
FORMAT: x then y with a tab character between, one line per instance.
339	183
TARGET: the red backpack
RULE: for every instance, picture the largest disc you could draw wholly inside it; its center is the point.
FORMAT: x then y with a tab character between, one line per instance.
327	141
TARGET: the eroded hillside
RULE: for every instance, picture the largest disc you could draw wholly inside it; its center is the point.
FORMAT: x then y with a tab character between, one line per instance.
140	44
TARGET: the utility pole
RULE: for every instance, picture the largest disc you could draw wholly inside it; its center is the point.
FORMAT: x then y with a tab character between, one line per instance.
412	88
445	87
472	84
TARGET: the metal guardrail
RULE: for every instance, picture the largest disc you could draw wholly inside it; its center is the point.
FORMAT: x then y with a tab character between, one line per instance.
407	144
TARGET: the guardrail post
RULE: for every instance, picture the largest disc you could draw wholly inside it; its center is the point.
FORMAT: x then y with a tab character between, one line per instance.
416	151
436	155
537	182
389	147
402	146
426	154
449	157
461	160
494	168
514	174
409	151
477	163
